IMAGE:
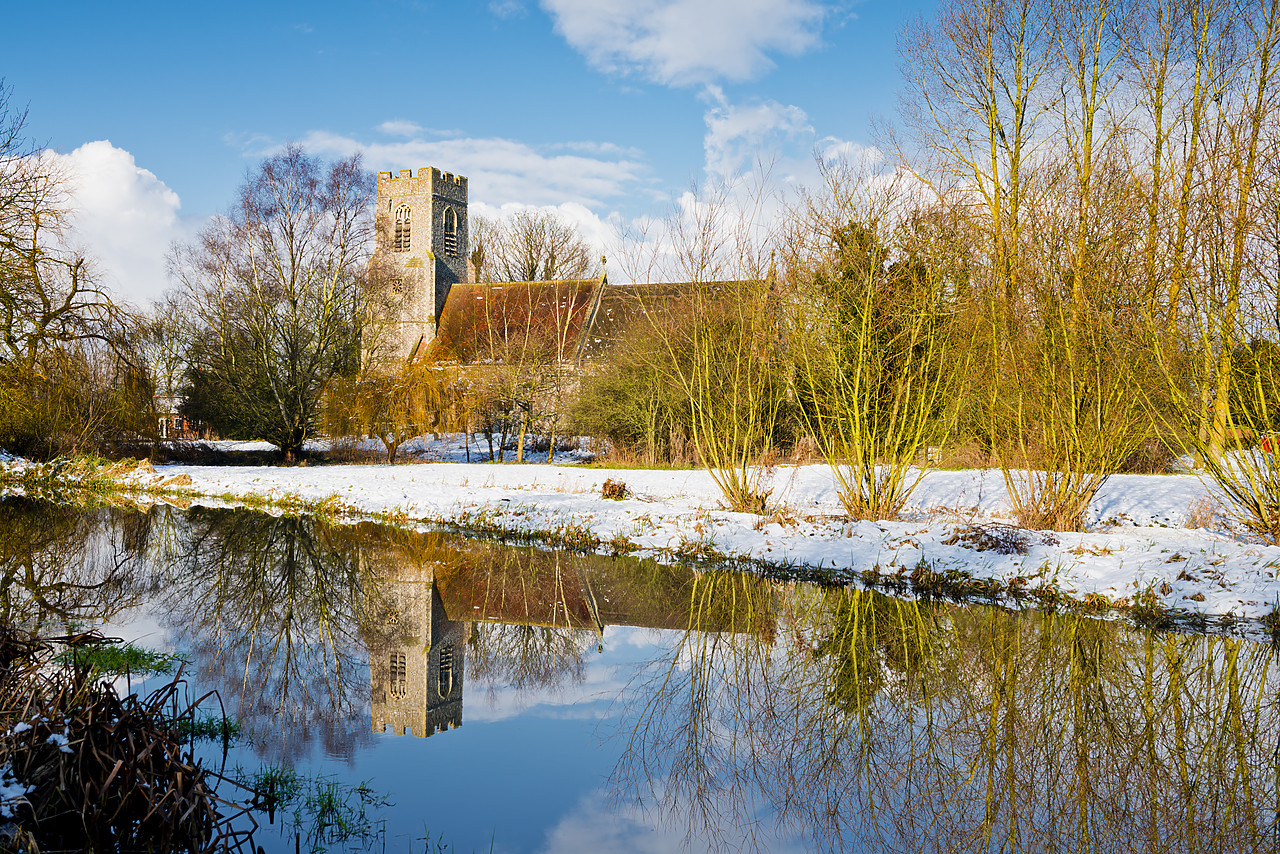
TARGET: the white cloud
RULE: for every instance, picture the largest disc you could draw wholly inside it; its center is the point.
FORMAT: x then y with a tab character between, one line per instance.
507	8
601	234
737	134
832	149
124	217
681	42
665	820
400	127
501	171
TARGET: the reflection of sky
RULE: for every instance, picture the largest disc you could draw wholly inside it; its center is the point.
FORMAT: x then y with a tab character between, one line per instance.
527	771
588	829
537	766
590	699
528	774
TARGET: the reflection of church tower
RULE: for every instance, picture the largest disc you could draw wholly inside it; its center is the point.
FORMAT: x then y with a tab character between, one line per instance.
417	685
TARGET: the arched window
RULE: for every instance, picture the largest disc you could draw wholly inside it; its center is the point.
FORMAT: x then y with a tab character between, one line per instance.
401	243
450	232
445	686
399	676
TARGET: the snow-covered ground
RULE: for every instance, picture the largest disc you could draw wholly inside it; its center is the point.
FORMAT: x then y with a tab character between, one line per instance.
1159	537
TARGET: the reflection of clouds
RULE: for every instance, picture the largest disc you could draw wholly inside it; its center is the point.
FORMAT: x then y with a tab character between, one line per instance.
636	828
589	699
140	626
639	638
606	676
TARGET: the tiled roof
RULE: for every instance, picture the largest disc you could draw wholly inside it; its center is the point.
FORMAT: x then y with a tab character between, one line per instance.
502	322
568	320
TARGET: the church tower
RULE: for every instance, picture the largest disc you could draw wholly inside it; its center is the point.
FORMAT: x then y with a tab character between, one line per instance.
421	252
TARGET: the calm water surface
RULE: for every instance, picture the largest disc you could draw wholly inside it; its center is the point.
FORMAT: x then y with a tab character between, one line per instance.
503	698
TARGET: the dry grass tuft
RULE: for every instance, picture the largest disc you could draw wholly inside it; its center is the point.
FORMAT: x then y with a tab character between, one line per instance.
1202	513
1002	539
967	455
615	490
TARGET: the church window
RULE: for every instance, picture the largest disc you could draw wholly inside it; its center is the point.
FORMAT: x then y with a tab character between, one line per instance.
399	676
446	672
450	231
401	242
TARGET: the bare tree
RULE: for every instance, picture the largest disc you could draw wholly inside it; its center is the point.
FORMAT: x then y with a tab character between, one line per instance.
528	337
1243	125
978	89
48	296
67	378
531	246
278	292
1019	122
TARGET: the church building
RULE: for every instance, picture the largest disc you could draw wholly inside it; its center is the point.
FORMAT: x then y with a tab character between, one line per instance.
430	306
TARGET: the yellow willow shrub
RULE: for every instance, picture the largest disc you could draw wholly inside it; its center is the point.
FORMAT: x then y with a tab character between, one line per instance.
1067	414
1245	472
722	347
735	382
874	380
392	407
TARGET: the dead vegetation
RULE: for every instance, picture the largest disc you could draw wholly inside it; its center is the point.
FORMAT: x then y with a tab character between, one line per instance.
88	769
615	490
1202	513
1001	539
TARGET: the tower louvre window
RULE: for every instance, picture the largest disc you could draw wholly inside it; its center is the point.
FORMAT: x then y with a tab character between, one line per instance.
401	241
450	231
399	675
446	672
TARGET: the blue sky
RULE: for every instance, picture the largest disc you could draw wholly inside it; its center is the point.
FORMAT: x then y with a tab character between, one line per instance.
605	109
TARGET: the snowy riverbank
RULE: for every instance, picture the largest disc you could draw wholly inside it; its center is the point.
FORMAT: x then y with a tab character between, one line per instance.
1138	548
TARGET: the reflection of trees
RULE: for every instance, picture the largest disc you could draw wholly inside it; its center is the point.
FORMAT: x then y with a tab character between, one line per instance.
535	623
271	610
858	719
692	753
57	565
906	726
276	613
528	657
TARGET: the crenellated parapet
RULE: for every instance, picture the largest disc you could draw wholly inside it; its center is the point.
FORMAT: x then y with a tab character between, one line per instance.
428	181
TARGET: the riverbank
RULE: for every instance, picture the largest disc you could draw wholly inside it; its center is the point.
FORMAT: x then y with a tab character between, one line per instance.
1158	546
